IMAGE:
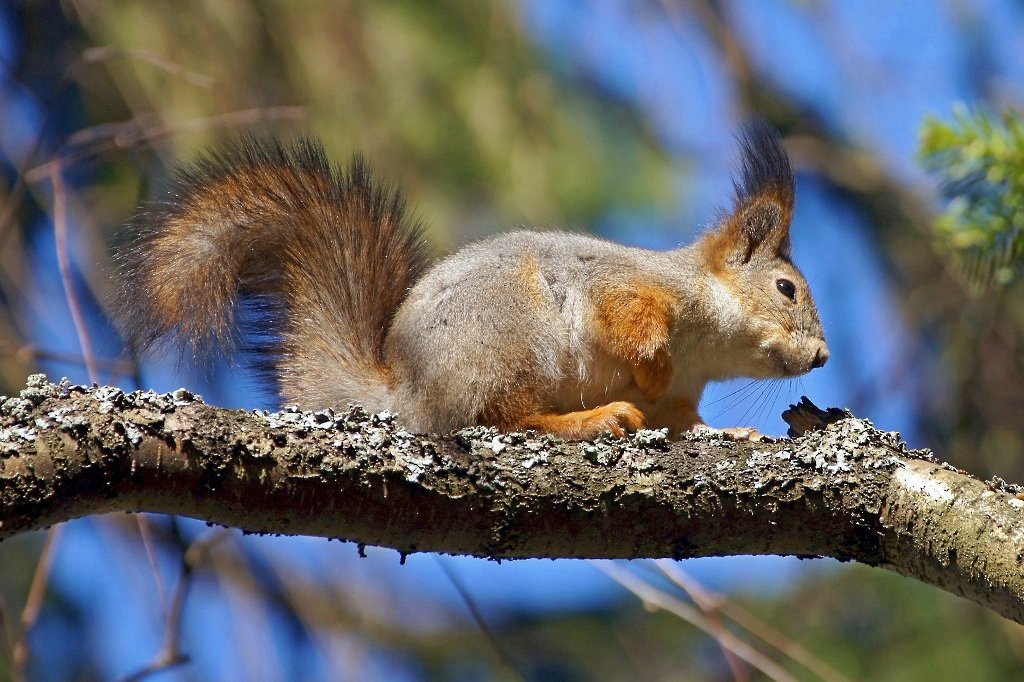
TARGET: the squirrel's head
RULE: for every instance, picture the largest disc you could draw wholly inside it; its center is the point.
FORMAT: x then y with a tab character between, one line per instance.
768	319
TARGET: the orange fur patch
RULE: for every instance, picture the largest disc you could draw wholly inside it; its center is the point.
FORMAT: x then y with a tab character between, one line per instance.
654	376
634	323
718	246
532	278
617	417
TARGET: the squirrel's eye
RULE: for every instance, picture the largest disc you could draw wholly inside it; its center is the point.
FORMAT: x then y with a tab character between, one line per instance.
786	288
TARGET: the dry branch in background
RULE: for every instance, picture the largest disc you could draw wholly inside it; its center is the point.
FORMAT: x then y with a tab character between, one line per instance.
846	491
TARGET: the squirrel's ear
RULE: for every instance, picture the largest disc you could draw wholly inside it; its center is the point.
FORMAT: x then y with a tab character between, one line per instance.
765	191
757	227
762	225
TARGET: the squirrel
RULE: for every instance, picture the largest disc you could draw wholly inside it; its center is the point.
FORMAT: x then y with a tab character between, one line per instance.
557	332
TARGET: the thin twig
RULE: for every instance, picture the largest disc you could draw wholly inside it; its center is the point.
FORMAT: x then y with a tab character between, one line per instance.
131	133
352	617
28	352
93	55
60	236
146	533
652	596
103	53
8	628
478	617
235	570
749	622
709	606
170	654
34	602
17	192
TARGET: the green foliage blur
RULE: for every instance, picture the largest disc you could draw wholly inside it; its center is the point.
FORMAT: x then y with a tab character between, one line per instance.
980	160
450	98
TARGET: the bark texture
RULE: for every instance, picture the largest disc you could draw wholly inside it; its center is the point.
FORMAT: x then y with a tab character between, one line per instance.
846	491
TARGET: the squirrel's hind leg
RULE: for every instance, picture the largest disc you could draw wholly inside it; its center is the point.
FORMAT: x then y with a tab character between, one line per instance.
617	417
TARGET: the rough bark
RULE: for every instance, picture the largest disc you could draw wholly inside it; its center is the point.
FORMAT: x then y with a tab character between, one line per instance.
846	491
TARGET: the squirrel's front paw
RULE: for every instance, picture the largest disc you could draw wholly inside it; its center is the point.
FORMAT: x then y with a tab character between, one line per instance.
617	417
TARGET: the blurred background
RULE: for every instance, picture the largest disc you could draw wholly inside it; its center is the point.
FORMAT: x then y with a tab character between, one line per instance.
615	117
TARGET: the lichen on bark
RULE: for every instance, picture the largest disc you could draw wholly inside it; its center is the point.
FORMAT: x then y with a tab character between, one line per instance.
845	490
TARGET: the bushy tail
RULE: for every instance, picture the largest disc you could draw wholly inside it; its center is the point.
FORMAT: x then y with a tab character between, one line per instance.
330	252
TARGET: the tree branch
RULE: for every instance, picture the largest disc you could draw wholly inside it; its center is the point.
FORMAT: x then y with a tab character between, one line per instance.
846	491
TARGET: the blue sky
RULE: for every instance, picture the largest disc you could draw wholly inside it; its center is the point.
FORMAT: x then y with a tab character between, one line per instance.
870	70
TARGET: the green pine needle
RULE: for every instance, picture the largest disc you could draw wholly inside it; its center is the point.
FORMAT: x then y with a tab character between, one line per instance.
979	159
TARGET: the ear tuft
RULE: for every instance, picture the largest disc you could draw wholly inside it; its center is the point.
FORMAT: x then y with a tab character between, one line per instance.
765	189
765	166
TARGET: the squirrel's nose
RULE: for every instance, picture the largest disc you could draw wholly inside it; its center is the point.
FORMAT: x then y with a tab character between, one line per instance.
820	358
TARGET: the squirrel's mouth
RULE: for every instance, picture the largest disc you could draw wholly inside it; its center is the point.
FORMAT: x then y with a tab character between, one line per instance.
791	367
794	369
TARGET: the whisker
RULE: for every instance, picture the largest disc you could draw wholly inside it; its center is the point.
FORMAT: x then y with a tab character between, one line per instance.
745	393
757	399
744	387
